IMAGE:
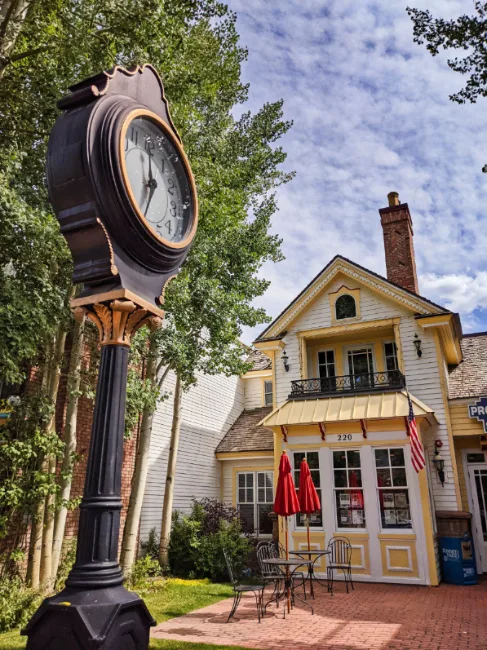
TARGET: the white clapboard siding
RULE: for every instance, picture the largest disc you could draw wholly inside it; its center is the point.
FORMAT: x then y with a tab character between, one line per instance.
245	464
253	393
208	411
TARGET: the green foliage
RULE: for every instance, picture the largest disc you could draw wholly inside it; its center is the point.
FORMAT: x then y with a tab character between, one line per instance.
68	557
465	33
17	603
34	279
142	574
151	546
198	540
24	442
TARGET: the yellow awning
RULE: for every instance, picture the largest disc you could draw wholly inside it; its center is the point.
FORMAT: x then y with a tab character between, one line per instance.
346	409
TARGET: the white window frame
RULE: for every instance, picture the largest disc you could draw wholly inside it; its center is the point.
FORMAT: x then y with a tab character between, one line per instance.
351	348
386	356
266	393
408	487
319	490
255	501
318	364
338	528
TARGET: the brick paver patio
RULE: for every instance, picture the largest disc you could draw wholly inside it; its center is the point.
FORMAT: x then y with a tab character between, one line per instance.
374	616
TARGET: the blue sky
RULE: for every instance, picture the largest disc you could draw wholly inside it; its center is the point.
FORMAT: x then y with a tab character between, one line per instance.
371	115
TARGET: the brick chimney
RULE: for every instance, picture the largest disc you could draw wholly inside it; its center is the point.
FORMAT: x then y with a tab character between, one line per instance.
397	226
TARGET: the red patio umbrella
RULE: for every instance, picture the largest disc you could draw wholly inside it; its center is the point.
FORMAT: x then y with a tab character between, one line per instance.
308	497
286	502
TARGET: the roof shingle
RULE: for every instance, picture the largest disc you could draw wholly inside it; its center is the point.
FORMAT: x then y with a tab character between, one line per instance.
245	435
260	360
469	378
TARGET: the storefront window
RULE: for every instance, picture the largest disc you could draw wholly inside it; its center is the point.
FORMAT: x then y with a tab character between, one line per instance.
392	488
255	498
316	519
349	494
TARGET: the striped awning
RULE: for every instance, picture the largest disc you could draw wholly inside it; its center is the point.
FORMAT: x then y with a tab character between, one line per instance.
381	406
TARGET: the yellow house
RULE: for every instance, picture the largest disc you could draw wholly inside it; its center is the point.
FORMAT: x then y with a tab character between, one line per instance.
330	382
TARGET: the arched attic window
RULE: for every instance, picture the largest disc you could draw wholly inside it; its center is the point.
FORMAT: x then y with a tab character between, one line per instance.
345	307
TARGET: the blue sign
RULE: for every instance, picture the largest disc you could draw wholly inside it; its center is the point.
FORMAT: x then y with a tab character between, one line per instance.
479	411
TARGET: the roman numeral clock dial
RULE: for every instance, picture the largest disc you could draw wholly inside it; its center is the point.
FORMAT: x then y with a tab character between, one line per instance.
157	179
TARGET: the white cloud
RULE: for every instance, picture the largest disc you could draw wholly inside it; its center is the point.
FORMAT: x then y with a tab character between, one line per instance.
371	114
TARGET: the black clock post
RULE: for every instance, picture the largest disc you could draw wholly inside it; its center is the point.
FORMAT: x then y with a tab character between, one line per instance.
124	264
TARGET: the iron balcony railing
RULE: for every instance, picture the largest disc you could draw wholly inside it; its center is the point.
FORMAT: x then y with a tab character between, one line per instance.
364	383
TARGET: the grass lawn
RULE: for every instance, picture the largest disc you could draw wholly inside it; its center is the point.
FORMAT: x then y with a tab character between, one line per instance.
170	599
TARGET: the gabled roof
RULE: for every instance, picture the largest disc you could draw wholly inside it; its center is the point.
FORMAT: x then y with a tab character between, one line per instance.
469	378
340	264
246	434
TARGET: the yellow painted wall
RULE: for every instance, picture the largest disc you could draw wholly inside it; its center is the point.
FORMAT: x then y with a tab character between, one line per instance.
399	558
462	424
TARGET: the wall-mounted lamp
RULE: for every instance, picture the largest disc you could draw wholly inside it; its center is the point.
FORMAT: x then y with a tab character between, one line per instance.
439	463
285	360
417	345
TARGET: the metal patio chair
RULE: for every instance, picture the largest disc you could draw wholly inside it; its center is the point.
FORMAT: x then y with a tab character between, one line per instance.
340	558
239	589
270	573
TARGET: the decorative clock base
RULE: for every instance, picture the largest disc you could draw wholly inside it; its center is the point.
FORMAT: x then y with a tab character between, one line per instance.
85	619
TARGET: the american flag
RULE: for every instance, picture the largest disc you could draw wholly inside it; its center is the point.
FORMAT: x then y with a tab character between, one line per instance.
417	453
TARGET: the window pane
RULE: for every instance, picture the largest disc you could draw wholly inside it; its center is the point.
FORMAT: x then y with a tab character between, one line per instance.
340	478
298	457
260	479
350	509
330	356
395	511
383	477
269	496
397	457
269	479
261	495
381	458
315	477
265	522
247	514
268	399
250	480
339	459
353	458
313	460
345	307
241	480
241	496
399	477
250	495
354	478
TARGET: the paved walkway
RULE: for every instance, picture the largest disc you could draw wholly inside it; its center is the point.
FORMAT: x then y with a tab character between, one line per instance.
373	617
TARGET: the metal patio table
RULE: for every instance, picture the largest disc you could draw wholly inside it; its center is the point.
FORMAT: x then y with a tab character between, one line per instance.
311	567
288	590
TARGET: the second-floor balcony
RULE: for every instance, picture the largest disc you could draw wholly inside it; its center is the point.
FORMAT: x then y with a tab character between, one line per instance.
392	380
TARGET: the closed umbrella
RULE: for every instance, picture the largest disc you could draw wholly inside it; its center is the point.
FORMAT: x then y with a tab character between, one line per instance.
286	504
308	497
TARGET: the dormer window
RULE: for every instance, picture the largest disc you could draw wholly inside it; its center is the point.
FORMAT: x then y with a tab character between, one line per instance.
345	307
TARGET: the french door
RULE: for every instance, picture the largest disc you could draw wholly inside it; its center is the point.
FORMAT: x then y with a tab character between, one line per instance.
477	475
360	363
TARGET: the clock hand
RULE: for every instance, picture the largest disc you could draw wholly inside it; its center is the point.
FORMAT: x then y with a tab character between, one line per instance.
152	185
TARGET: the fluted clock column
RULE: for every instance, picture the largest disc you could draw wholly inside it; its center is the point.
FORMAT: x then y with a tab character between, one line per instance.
95	609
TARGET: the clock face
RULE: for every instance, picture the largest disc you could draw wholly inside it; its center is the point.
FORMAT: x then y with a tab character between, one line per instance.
158	180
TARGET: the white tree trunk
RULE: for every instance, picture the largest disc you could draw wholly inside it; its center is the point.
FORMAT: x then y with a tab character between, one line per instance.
131	529
12	16
72	389
170	476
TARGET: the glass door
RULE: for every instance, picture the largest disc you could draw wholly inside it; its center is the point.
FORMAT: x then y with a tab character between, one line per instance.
360	363
477	475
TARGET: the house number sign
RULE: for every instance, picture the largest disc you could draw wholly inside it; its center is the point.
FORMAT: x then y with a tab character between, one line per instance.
344	437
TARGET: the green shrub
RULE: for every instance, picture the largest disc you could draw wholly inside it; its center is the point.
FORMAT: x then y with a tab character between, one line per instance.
68	556
151	546
198	540
143	572
17	603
